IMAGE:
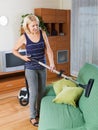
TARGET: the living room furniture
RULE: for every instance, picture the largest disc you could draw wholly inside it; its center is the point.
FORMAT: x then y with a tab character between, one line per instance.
55	116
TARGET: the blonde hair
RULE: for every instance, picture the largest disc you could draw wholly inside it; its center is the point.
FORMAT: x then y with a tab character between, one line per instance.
27	20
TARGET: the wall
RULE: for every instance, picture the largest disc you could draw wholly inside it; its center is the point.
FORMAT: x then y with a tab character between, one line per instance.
65	4
13	9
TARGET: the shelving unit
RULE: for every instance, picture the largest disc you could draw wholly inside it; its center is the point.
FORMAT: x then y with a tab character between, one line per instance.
57	23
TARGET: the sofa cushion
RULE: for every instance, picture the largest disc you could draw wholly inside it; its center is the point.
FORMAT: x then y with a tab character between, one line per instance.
89	106
69	95
58	116
58	85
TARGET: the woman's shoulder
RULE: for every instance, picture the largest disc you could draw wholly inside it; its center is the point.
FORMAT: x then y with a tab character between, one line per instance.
22	38
43	33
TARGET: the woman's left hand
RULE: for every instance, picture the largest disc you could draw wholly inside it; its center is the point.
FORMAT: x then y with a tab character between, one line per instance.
52	67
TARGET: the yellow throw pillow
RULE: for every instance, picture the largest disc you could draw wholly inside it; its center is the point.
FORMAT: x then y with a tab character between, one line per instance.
69	95
58	85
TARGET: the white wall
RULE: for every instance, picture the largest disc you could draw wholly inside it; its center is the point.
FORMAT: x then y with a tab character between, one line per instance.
13	9
65	4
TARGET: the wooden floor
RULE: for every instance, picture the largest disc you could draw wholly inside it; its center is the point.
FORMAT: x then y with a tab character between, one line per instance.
13	116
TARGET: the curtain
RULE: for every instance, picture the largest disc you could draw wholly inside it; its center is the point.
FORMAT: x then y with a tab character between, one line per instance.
84	34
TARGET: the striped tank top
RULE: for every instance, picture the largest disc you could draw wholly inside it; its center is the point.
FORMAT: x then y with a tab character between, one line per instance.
36	51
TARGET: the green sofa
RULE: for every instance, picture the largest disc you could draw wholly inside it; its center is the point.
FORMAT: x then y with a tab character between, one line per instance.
55	116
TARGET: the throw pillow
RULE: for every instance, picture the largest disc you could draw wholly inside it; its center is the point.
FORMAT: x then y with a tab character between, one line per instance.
69	95
58	85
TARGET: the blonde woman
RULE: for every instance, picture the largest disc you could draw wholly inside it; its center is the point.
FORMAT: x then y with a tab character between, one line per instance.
36	44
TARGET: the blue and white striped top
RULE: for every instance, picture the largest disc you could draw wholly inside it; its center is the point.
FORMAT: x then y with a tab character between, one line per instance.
36	51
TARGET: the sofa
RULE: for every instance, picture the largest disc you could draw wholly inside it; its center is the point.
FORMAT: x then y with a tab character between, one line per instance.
56	116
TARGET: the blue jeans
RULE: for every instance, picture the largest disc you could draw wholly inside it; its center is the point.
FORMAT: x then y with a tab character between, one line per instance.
36	81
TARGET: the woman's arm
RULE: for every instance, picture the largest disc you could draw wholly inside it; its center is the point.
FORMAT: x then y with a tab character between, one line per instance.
49	51
21	41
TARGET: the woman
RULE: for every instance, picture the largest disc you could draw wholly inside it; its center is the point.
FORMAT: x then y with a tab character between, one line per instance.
36	44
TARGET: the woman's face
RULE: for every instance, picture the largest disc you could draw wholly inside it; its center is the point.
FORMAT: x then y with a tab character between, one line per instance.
33	27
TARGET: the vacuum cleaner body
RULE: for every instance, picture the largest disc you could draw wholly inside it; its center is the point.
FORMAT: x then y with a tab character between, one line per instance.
23	96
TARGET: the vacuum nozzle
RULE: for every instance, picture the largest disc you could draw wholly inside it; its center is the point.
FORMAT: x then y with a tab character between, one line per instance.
89	87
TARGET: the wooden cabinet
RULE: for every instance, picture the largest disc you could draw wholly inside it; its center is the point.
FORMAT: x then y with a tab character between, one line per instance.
48	15
61	16
57	23
11	81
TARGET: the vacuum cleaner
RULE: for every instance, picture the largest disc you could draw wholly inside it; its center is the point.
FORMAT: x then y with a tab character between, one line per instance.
24	92
23	95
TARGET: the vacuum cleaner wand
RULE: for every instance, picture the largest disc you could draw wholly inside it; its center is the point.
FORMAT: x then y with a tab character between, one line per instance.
87	87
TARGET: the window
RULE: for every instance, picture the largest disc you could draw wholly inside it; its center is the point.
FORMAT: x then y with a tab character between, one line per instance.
84	42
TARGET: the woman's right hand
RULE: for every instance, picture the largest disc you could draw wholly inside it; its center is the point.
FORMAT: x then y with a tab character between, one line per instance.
25	58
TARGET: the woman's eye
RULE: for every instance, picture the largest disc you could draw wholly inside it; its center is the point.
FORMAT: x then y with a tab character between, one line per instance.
35	25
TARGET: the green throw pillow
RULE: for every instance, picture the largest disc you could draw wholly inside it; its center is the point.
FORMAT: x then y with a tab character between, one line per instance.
69	95
58	85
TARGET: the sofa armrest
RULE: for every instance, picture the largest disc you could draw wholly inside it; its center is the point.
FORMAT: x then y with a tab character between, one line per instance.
49	90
